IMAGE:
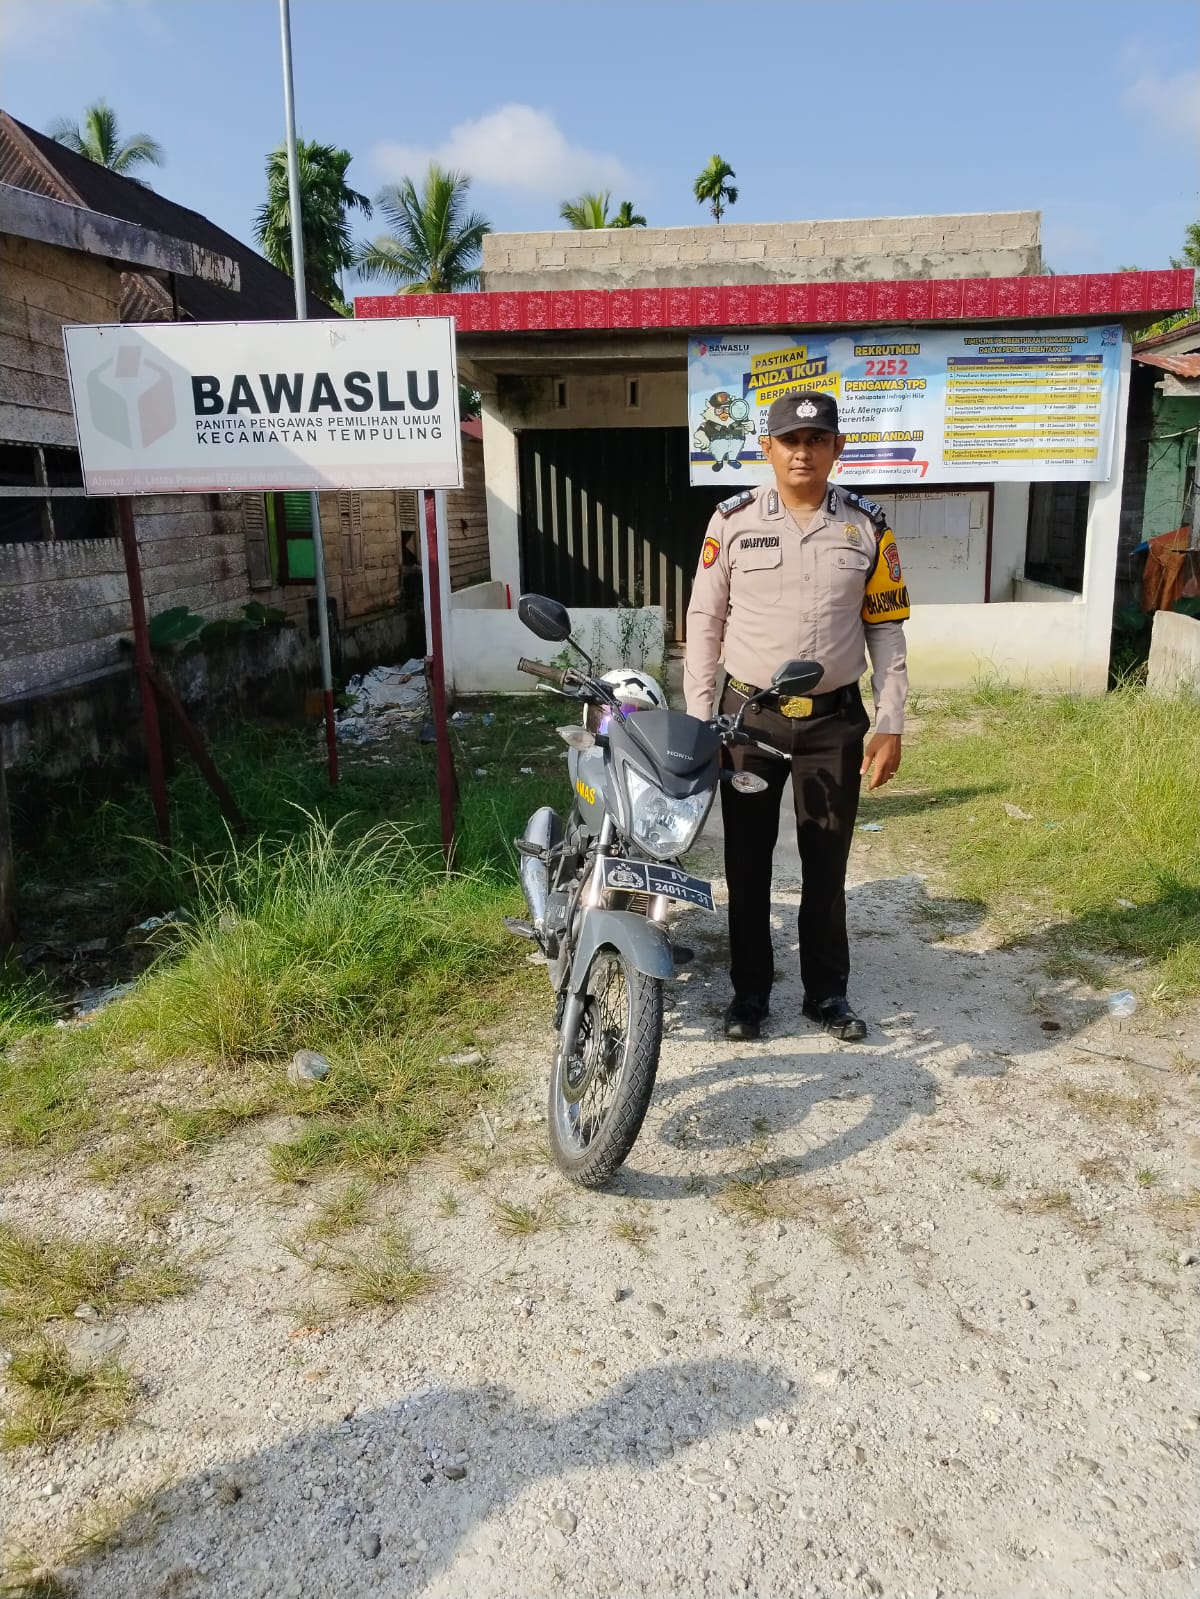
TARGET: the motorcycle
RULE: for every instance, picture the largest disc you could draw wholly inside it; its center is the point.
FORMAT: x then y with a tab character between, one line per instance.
599	887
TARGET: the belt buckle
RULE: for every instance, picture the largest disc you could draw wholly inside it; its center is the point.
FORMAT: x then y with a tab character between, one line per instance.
796	708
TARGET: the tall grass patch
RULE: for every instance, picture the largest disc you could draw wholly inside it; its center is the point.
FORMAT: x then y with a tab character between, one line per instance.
1109	848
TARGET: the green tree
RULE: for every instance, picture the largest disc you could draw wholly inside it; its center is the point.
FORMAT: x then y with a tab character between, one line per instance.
435	244
1191	248
591	211
99	139
326	199
627	217
713	189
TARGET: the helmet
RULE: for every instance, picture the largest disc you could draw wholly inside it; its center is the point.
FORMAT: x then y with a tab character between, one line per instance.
635	690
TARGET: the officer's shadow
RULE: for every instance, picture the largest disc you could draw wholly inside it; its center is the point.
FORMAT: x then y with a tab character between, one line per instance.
931	1008
386	1488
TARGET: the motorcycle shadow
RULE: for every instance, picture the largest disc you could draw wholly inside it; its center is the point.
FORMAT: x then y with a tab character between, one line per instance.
736	1103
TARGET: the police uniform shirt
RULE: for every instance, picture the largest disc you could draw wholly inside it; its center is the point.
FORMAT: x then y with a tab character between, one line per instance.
769	589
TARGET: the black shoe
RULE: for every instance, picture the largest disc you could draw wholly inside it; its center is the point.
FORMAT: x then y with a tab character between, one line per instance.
744	1017
836	1017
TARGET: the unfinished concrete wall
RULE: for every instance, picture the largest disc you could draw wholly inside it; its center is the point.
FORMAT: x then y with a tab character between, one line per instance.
984	244
1174	666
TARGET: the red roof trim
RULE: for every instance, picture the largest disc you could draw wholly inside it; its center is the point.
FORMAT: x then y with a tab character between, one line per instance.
798	304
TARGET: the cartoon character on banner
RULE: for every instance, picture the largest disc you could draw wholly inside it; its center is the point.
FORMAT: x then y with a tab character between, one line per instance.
725	424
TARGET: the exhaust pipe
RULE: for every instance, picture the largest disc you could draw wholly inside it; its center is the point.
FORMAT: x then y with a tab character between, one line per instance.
543	830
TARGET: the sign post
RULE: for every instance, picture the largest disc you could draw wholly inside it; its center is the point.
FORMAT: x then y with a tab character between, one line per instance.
196	408
297	231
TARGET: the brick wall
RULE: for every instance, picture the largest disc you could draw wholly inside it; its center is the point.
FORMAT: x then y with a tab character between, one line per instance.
983	244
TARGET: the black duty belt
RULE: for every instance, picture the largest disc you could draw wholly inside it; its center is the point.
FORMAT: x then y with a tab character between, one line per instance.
796	707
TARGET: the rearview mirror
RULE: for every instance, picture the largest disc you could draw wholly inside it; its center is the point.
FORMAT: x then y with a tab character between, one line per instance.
796	678
547	618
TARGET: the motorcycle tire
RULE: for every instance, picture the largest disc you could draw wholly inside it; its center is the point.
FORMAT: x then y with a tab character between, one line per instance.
598	1099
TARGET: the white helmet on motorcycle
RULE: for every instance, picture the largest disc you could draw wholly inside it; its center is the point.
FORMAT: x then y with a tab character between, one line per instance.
636	689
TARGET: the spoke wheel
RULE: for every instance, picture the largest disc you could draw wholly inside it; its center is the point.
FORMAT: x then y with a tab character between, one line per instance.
598	1098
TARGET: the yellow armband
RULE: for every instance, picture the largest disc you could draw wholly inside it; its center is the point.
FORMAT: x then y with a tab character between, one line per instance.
885	598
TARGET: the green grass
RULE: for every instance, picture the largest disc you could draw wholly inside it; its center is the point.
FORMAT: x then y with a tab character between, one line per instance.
386	1275
1110	784
56	1398
346	1208
45	1276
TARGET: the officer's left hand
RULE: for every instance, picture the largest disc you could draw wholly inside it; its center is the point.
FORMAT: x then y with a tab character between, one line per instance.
882	759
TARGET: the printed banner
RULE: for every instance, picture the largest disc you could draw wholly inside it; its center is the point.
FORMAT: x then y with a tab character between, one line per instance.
184	407
926	405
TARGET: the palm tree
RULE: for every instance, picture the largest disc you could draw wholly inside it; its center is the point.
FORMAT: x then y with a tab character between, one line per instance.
435	244
711	189
325	199
99	140
591	211
627	217
588	211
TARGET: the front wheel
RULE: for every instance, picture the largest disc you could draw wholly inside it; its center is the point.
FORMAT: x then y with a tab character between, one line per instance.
599	1096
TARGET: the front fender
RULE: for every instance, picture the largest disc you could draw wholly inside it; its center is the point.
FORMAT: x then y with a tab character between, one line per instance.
644	945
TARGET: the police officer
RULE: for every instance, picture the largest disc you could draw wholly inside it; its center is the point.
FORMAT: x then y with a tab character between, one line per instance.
802	569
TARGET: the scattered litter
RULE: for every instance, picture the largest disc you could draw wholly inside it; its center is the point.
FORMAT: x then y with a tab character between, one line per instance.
1051	1027
307	1067
871	827
153	923
527	771
1124	904
427	735
487	719
91	1000
481	771
460	718
1122	1003
462	1057
386	699
1017	814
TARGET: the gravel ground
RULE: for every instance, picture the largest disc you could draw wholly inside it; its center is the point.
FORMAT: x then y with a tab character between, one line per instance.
949	1351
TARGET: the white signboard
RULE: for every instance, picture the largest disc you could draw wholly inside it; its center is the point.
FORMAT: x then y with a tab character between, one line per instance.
187	407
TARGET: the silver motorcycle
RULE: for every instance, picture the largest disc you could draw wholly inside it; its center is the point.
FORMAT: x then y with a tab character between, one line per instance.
599	887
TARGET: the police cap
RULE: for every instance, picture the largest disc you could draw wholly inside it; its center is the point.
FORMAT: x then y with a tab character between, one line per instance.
802	408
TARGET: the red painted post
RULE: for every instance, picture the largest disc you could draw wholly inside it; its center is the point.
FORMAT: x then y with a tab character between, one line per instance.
145	668
447	785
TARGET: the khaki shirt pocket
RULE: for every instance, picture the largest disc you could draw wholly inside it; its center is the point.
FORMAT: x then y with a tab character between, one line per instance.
758	573
844	577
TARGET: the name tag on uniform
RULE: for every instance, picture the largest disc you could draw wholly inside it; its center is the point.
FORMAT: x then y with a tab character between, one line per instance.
759	541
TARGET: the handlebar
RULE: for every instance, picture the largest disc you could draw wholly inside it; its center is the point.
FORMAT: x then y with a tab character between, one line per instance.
557	675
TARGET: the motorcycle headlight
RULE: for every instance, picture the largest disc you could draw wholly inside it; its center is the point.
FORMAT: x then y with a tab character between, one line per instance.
664	827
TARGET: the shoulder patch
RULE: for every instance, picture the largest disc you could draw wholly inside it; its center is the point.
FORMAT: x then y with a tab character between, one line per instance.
773	502
710	552
868	507
736	501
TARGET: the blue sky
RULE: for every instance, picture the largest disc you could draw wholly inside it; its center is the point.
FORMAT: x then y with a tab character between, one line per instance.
1085	110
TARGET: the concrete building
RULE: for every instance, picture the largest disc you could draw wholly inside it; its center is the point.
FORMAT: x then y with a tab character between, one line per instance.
579	346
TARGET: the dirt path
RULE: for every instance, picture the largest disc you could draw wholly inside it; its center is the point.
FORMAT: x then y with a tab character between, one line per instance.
948	1349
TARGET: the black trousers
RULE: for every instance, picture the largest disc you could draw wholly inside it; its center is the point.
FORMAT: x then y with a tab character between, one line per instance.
825	755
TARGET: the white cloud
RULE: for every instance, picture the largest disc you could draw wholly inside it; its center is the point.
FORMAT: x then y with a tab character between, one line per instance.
514	147
33	23
1168	104
44	27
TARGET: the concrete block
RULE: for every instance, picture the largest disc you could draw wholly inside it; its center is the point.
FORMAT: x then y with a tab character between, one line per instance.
522	260
1174	666
749	250
717	251
796	230
804	249
551	258
701	252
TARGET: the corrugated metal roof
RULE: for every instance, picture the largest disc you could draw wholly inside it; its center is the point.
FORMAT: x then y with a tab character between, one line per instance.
1186	365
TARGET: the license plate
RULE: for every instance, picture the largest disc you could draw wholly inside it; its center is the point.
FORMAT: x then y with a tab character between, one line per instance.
647	877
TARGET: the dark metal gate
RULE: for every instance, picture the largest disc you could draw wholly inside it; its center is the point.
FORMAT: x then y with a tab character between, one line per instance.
608	517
